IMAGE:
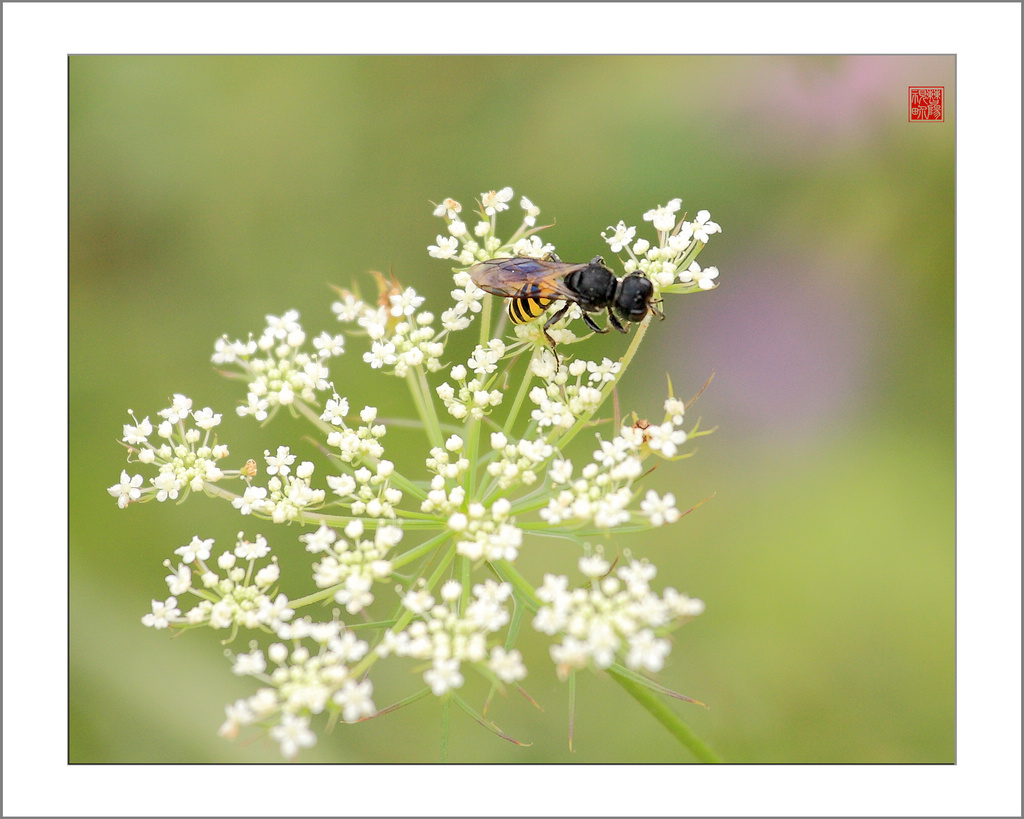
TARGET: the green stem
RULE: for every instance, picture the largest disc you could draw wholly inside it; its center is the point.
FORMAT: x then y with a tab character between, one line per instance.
508	572
584	420
524	389
407	523
485	320
418	551
313	417
446	721
472	444
324	594
666	716
420	391
407	486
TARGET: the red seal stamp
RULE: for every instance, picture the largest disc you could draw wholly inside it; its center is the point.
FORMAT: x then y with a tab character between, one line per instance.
926	103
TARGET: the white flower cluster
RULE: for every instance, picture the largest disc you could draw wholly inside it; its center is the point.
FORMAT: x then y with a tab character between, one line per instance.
366	491
286	497
477	508
468	299
187	459
354	445
352	565
279	372
473	399
518	461
303	683
466	247
671	260
241	598
618	618
448	463
559	402
401	338
447	639
604	489
486	534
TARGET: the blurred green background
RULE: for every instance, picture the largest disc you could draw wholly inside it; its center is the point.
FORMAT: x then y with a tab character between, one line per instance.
208	192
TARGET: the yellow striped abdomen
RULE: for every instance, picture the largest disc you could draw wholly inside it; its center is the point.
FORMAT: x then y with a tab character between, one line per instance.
528	306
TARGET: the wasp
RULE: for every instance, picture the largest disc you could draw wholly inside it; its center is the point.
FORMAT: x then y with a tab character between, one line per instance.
533	285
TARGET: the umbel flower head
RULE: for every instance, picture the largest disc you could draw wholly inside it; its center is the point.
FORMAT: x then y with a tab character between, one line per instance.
416	552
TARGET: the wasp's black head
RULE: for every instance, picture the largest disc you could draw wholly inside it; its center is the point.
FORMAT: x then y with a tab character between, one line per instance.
633	299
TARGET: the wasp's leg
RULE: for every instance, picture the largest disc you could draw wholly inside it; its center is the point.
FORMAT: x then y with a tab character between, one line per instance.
614	322
555	317
593	324
657	311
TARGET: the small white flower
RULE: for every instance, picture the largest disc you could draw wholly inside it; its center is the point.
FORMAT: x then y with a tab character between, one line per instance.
495	201
127	490
355	700
279	464
660	510
405	303
454	444
451	591
647	652
196	549
664	218
532	211
674	410
707	278
703	226
253	498
206	418
293	734
163	613
178	411
443	676
418	601
594	566
382	354
507	665
249	664
138	434
180	581
621	236
252	550
561	471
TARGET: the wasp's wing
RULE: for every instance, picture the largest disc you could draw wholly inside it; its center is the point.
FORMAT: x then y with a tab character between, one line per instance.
509	277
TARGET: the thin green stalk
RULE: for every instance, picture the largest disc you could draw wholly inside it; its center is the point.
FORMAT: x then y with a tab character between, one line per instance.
313	417
464	569
426	522
418	551
485	320
407	486
508	572
316	597
420	390
666	716
446	724
523	391
472	444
